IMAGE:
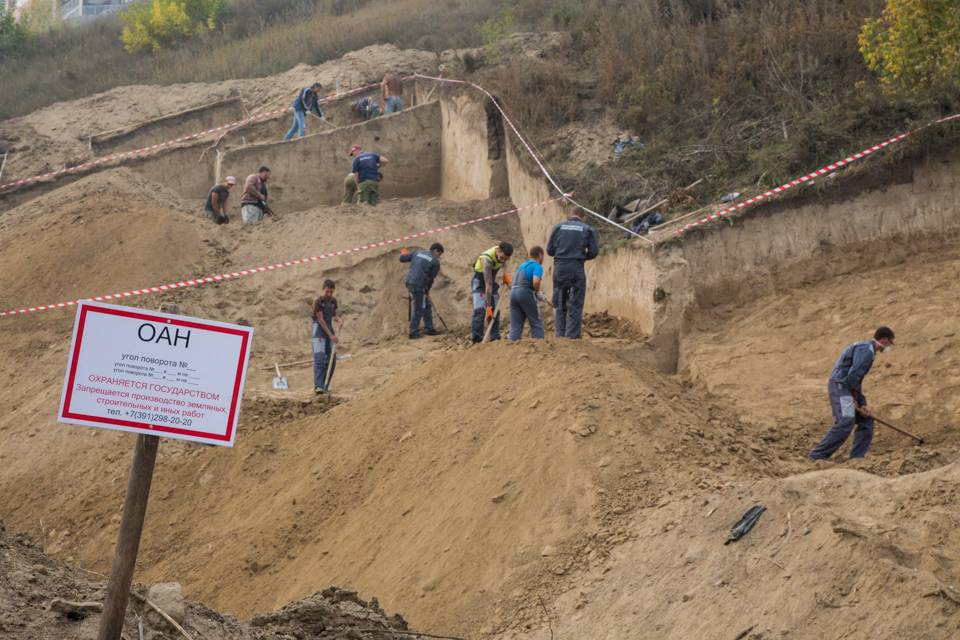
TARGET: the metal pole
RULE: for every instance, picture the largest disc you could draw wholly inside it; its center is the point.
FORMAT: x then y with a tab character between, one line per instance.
128	538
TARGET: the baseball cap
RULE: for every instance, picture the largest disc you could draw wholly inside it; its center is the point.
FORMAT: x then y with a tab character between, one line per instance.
354	149
231	180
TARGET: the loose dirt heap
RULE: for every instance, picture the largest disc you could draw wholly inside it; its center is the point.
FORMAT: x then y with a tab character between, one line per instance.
41	599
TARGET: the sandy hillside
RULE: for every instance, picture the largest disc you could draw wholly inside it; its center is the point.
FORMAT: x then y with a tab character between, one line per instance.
774	356
57	135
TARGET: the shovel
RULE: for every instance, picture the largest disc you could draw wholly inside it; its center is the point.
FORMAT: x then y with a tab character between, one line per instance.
917	439
333	358
496	313
279	381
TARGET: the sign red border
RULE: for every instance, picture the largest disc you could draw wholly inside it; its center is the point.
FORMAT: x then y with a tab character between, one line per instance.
155	428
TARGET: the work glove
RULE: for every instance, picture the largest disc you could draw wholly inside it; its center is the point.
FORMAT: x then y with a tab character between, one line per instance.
507	279
490	313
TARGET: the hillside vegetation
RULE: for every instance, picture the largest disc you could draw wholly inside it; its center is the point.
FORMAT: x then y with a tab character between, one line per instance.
741	95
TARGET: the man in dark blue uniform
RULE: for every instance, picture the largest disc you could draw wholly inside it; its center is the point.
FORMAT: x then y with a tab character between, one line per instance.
424	267
571	243
847	401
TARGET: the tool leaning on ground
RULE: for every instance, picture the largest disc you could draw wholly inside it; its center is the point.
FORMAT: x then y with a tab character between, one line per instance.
917	439
280	381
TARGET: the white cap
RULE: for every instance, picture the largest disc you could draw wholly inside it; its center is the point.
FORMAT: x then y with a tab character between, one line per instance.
231	180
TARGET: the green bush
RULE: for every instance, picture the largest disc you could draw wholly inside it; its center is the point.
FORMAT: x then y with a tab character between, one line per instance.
494	29
164	23
13	36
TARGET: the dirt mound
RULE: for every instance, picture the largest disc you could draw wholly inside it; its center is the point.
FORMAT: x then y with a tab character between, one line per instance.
837	554
58	135
472	475
41	599
102	234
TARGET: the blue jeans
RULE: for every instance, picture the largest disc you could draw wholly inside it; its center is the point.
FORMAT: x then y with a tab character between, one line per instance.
845	418
299	126
393	104
322	350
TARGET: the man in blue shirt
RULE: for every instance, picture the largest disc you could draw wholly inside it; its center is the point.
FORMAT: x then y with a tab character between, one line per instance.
571	243
847	401
307	100
366	171
524	295
424	267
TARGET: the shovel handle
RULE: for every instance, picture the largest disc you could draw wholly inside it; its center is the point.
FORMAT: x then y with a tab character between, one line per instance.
899	430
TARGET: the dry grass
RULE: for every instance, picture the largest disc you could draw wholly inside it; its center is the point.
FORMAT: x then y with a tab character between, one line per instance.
258	39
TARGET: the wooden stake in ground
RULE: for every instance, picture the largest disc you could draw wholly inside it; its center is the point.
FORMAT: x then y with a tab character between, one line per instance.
128	539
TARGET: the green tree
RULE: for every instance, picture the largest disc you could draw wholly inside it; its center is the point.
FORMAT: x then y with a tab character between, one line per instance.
13	36
162	24
494	29
914	44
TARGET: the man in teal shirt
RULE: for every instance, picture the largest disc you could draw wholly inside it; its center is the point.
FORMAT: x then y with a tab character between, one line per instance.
524	295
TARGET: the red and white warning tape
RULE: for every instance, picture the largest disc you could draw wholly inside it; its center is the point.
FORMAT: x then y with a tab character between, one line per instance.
766	195
533	154
233	275
145	151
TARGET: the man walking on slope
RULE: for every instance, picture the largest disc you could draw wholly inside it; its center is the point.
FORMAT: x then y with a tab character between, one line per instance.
307	100
366	172
253	202
847	401
424	267
324	337
571	243
215	207
525	294
485	291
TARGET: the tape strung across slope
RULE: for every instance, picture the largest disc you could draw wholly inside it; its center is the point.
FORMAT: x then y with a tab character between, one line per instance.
532	153
833	166
233	275
143	151
562	195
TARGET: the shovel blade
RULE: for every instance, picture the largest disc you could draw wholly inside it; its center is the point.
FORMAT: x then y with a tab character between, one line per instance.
281	383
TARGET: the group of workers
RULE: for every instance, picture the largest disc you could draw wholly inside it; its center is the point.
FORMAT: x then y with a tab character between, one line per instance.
571	243
253	200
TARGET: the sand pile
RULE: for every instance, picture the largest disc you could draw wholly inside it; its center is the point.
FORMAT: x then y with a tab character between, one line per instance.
837	554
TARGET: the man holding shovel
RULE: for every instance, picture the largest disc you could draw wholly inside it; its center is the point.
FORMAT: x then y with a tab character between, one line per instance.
424	267
324	337
485	291
847	400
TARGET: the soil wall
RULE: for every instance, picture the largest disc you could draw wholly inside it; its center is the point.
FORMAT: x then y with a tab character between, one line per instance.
310	171
168	127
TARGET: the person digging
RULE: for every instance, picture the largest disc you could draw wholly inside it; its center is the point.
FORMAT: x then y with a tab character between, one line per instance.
424	267
847	402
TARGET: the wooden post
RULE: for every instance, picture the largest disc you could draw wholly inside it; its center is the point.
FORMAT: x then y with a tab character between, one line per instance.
128	539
